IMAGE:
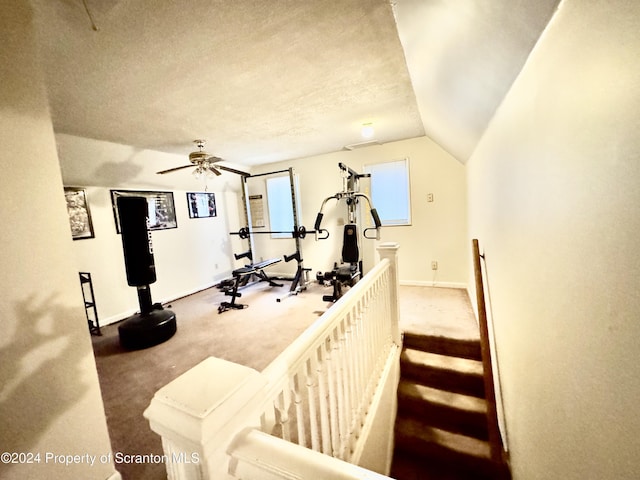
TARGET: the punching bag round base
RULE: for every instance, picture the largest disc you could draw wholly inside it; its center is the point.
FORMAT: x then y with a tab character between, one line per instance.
144	330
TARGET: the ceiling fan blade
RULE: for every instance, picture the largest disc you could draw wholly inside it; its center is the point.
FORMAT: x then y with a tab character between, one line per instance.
233	170
173	169
215	170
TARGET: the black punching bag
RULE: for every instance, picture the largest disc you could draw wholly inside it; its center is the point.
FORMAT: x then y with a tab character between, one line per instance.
153	325
136	241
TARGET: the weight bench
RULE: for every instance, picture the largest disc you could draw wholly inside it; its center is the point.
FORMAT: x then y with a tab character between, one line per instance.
241	276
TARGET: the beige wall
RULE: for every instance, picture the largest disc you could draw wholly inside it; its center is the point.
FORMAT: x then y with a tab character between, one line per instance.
438	231
49	395
553	200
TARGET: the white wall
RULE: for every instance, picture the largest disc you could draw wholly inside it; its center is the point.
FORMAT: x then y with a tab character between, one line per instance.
49	394
438	231
189	258
553	200
194	256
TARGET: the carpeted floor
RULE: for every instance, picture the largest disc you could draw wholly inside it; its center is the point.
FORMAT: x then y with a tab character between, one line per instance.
437	311
253	337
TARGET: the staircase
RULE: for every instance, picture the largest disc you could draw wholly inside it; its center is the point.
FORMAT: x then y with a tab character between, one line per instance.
441	427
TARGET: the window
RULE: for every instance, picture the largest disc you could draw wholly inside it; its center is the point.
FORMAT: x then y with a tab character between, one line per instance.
281	205
390	191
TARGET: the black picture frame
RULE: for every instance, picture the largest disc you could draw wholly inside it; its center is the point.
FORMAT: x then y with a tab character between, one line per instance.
162	209
79	213
201	205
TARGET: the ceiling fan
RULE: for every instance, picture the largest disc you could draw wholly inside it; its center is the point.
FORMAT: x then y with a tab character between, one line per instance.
204	163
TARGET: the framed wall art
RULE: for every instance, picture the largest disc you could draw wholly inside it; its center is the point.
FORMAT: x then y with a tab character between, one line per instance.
162	210
201	205
79	213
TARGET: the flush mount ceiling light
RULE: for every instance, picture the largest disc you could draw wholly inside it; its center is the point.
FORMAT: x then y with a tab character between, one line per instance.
367	130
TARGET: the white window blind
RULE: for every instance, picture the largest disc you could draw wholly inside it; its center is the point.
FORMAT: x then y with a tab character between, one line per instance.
280	206
390	192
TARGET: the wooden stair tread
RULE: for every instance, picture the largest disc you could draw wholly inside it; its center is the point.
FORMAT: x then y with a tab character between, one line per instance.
412	430
459	347
408	467
444	362
441	397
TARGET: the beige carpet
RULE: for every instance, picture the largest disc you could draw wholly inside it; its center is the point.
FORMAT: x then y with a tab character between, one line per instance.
436	311
253	337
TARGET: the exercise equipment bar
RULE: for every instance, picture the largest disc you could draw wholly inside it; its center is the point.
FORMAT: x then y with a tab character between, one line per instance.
300	232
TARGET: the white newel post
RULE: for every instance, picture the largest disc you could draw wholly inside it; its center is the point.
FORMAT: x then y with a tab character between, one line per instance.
390	250
197	414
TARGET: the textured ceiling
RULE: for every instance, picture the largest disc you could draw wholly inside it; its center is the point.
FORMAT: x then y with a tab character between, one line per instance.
265	81
260	81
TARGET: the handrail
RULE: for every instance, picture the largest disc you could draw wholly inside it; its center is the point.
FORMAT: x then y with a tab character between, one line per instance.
333	390
495	439
259	455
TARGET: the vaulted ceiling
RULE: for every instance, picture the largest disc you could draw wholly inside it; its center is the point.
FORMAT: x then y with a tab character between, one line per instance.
264	81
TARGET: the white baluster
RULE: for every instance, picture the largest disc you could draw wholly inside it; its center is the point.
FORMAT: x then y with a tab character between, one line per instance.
378	312
332	381
281	405
325	434
368	349
340	355
352	381
300	411
362	364
312	393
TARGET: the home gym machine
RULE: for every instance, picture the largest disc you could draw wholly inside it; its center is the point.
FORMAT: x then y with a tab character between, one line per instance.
252	271
350	270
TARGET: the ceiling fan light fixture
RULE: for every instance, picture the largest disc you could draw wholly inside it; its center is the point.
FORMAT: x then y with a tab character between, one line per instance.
205	165
198	172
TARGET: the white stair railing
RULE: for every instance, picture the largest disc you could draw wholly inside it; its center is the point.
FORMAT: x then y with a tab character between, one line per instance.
332	391
259	456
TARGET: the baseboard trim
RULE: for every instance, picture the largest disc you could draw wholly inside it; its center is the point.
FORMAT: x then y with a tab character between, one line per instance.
126	314
188	293
117	318
425	283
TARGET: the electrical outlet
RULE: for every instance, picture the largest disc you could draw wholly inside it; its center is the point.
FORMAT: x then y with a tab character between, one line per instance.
430	198
434	265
